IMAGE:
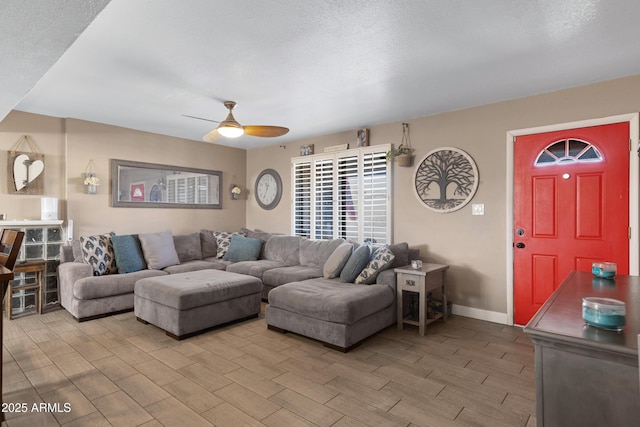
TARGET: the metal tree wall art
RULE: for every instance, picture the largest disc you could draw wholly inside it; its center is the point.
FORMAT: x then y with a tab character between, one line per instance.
446	179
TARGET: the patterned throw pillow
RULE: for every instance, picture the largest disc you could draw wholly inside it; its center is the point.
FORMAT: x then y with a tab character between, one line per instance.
381	260
97	251
223	240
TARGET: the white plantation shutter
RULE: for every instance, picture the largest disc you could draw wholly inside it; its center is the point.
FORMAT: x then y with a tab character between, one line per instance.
374	198
348	194
302	199
323	188
344	194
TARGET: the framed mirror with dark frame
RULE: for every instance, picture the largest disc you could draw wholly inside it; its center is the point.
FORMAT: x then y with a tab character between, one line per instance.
150	185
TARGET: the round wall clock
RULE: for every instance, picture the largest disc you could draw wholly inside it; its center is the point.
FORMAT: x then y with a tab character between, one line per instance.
268	190
446	179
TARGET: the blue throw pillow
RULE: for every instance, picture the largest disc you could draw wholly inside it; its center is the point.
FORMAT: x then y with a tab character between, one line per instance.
128	253
357	262
243	249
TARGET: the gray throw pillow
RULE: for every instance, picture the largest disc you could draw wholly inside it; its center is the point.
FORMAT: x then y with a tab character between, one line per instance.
128	253
188	247
357	261
243	249
337	260
159	250
381	260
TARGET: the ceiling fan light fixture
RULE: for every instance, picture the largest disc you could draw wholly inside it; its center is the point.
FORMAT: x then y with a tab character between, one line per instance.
230	130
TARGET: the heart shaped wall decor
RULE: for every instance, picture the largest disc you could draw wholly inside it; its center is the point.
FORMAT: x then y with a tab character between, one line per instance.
26	170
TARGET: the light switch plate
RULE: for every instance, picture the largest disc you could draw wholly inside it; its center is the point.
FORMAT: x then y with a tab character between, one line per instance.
477	209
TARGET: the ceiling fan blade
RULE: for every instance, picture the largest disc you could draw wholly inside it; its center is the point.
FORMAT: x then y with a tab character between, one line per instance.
200	118
212	136
265	131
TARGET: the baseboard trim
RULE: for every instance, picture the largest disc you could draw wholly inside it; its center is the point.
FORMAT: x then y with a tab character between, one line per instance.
478	313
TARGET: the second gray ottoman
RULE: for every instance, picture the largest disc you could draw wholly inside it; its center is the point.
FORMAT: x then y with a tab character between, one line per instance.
188	303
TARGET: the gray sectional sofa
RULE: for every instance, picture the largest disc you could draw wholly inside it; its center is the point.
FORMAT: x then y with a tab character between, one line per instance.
304	297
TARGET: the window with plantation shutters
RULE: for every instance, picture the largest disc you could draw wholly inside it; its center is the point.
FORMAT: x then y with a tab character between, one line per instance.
344	194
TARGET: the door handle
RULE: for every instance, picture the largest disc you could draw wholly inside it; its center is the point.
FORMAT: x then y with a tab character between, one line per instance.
520	245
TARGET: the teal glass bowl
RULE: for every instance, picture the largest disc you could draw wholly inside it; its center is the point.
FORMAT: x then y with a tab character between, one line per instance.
605	270
604	313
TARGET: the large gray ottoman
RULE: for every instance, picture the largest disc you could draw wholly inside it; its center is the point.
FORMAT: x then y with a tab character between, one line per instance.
338	314
185	304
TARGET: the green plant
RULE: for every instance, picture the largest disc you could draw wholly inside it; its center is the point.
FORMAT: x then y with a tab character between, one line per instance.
402	149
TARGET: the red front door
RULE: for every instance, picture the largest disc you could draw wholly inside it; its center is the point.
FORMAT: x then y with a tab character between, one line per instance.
571	208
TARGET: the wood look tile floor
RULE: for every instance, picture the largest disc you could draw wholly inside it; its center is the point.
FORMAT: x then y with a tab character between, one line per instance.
117	371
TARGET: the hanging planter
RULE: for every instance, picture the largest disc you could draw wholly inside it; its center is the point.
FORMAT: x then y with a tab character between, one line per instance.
404	153
404	160
235	192
91	181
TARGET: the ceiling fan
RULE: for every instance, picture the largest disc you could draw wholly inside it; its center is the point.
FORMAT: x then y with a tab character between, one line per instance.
230	128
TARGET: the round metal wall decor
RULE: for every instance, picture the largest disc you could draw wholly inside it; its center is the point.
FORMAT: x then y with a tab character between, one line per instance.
446	179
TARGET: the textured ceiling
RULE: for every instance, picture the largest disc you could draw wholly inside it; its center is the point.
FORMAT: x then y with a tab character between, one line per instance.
315	66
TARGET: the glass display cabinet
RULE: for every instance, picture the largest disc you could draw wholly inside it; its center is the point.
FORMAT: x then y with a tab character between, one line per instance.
42	241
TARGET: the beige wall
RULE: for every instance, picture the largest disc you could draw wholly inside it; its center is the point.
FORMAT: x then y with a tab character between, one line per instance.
474	246
83	141
47	133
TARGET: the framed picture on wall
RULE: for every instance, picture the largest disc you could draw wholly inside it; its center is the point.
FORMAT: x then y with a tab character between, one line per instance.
306	150
363	137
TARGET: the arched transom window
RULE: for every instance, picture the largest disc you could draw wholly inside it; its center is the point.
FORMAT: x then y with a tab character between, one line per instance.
568	151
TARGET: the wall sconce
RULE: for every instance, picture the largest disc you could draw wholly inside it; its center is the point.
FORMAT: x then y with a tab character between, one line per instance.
235	192
91	181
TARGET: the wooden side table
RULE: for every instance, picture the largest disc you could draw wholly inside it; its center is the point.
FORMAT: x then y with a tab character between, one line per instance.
34	266
427	278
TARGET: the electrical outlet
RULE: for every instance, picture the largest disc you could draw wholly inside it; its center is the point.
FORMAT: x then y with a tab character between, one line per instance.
477	209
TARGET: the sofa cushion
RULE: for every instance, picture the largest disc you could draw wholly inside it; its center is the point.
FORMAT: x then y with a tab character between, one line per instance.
159	249
188	246
337	260
330	300
128	253
314	253
254	268
283	249
223	241
357	261
208	244
381	260
89	288
77	251
401	252
243	249
97	251
194	265
295	273
219	263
